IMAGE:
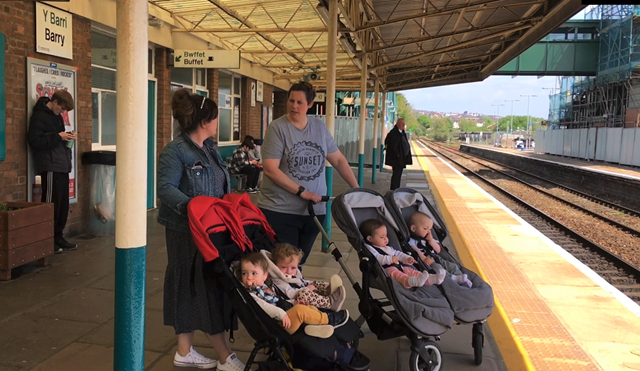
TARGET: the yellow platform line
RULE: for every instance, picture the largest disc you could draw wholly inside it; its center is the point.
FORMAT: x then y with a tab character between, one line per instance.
513	353
564	316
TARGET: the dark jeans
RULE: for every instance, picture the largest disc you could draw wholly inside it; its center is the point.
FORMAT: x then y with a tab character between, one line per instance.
396	177
300	231
252	173
55	189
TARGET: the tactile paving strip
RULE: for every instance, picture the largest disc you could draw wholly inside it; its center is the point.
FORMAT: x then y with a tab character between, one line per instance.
548	344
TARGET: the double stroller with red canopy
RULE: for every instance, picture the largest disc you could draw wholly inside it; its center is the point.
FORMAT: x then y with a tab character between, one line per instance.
226	229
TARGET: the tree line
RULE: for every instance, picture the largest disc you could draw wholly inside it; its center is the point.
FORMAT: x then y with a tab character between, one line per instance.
442	128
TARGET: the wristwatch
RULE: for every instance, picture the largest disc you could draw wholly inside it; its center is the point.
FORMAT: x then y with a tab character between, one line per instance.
300	190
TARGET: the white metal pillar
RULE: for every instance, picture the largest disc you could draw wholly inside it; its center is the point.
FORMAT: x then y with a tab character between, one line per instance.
363	121
131	199
376	130
332	50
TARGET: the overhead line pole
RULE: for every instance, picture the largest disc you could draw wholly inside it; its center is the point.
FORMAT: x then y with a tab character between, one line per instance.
497	122
528	116
511	123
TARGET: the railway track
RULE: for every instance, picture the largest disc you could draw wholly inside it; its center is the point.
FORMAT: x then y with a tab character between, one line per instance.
612	205
622	217
557	219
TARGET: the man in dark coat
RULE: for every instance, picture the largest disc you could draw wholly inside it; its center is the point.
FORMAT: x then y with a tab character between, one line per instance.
52	158
398	152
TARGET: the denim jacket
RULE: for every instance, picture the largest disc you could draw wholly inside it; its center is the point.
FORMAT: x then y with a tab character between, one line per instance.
184	172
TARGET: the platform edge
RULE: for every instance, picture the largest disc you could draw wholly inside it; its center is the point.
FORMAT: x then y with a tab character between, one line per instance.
511	349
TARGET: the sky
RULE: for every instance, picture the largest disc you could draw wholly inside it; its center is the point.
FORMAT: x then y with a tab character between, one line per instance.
480	96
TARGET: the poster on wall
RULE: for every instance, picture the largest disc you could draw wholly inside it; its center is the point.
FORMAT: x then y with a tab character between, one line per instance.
253	94
236	119
260	92
43	79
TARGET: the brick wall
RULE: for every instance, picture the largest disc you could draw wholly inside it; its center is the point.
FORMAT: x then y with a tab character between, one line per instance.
267	95
212	84
279	103
163	74
251	117
17	22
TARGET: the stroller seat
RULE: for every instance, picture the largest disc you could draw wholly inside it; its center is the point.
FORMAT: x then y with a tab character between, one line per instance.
424	309
470	305
227	229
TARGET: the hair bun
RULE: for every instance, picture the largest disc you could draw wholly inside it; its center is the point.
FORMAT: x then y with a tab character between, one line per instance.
181	103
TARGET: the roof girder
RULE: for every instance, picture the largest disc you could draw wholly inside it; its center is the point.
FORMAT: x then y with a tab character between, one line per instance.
259	30
443	11
246	22
455	33
438	44
458	46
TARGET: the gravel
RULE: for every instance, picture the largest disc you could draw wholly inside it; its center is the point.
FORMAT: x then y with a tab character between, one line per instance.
619	242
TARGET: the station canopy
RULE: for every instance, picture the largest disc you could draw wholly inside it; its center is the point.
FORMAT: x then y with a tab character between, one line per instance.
407	44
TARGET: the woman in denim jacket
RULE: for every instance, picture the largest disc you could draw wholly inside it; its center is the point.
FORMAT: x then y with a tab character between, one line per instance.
190	166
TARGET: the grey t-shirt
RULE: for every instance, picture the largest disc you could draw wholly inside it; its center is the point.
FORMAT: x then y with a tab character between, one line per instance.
302	155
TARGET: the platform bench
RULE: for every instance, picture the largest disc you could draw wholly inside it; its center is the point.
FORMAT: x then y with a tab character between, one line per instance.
240	180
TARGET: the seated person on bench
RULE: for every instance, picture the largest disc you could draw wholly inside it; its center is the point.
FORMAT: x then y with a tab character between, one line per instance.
240	163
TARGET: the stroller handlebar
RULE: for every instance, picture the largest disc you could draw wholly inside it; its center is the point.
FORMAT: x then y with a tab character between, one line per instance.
312	213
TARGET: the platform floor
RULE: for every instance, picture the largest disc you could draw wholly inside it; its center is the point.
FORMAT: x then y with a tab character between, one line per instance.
553	313
597	166
60	317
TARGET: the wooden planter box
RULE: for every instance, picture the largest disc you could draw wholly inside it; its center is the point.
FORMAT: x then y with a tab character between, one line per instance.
26	235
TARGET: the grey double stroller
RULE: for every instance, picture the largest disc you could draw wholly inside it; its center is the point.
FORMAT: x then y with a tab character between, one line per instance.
421	314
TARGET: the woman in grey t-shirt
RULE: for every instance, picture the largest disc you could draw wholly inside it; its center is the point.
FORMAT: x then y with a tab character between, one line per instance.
294	153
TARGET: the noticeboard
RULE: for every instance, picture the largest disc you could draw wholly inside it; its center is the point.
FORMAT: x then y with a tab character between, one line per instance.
43	79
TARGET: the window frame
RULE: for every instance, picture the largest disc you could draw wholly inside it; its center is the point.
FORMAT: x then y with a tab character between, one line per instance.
99	146
152	60
233	96
193	87
151	76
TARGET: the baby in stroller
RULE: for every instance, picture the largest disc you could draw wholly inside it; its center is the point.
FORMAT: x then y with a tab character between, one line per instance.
397	264
423	243
286	275
255	277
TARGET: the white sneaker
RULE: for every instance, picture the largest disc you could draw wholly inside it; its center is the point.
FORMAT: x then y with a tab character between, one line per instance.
194	359
232	363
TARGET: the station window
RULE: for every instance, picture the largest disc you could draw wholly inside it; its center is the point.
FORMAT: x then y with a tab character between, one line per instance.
193	79
150	59
103	89
229	103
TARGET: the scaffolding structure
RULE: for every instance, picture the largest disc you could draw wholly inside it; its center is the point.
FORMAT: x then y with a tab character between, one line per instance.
612	98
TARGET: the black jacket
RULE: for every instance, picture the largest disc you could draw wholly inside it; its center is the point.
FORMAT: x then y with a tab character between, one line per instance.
398	149
50	152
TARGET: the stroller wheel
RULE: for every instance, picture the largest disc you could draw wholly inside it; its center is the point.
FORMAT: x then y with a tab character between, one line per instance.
428	358
477	343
